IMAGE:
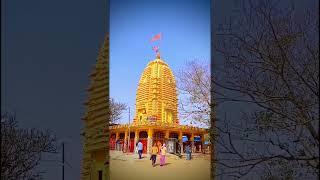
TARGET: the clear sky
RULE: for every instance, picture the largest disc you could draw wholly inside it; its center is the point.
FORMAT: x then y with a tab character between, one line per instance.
185	28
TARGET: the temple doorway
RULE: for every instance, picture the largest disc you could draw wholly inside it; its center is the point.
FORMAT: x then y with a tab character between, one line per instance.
173	143
120	142
158	138
197	144
143	137
186	141
131	145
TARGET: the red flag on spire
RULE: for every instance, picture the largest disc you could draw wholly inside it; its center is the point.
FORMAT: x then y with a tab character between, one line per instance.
156	37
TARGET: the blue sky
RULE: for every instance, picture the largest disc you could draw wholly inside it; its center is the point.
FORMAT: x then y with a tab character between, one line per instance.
185	28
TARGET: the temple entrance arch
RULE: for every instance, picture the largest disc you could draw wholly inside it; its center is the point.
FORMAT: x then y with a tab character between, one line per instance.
174	135
159	139
198	144
143	134
173	143
121	135
186	139
131	145
158	135
143	137
120	142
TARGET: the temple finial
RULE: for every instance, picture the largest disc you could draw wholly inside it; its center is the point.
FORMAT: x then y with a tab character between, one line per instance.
156	49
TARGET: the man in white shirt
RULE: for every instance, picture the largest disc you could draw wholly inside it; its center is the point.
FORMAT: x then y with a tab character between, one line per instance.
140	148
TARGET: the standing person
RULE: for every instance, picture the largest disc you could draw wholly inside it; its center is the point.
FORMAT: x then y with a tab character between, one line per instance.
163	154
154	152
140	148
188	152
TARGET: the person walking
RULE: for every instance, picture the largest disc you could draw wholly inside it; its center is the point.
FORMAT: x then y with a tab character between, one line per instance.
140	148
163	154
154	152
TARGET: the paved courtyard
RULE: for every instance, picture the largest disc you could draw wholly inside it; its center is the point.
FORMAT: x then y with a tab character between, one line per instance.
129	167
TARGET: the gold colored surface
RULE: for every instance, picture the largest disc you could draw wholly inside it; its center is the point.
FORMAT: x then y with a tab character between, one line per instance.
157	95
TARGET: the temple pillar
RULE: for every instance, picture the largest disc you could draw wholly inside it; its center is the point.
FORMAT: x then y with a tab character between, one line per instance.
150	139
180	142
136	138
192	143
126	135
117	138
117	135
202	143
125	144
166	136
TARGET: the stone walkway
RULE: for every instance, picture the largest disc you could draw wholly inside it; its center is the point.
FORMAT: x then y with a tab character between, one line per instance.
130	167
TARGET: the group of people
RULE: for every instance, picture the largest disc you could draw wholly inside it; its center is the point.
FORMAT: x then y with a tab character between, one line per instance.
154	152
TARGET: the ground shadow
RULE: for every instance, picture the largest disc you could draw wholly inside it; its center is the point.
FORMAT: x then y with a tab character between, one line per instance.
163	165
137	158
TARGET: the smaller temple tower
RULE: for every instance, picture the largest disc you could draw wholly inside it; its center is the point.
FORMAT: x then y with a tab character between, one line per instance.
95	159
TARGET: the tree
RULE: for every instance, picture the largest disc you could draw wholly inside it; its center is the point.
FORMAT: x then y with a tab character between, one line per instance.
21	149
268	61
117	109
194	87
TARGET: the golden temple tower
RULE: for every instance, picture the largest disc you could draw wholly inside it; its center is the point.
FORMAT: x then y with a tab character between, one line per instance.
156	98
95	159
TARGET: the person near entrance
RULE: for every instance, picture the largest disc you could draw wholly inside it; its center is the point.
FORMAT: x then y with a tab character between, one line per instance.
188	152
154	152
140	148
163	154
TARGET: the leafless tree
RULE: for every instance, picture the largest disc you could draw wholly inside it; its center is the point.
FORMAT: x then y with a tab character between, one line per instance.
267	60
194	89
117	109
271	59
22	149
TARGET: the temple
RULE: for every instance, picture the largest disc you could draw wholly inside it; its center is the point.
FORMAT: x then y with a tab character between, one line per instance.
156	116
155	121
